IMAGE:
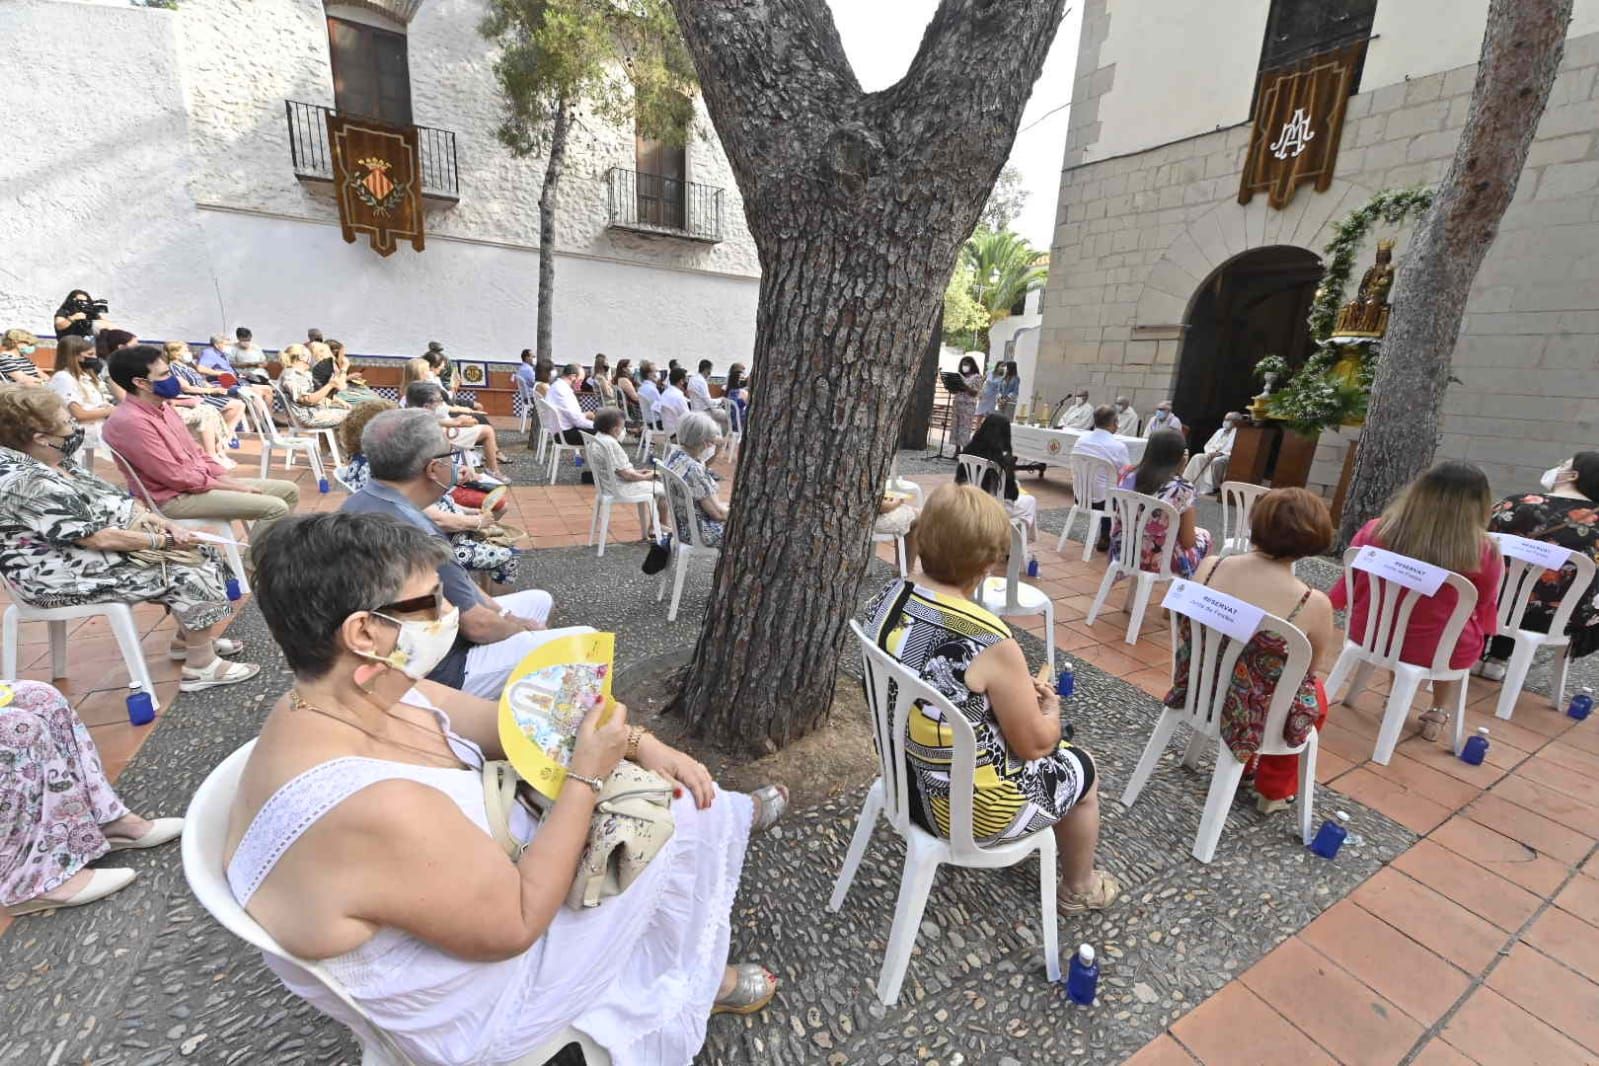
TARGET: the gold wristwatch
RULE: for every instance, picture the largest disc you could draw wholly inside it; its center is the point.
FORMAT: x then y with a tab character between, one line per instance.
635	734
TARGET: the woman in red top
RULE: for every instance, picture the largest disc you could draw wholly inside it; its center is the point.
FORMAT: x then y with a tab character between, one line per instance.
1441	519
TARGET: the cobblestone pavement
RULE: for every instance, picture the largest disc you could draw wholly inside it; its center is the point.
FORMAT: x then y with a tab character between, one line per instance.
148	978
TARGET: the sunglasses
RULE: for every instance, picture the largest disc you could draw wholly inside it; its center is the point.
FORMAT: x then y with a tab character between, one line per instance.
427	601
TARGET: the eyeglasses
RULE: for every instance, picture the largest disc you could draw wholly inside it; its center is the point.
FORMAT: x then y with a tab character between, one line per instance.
429	600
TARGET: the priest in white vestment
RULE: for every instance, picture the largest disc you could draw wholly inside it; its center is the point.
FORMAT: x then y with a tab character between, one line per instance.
1126	418
1207	470
1080	415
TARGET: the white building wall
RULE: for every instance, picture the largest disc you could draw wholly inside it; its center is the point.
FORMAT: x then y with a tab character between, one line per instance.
1169	71
1165	71
209	162
1137	236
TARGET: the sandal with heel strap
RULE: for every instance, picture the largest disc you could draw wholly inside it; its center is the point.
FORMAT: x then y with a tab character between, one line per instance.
753	988
1105	892
771	803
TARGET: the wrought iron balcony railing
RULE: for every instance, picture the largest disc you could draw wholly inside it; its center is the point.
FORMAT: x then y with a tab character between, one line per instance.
650	203
313	157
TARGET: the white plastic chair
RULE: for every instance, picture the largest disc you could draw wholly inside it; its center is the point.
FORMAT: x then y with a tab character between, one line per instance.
1213	656
550	428
891	690
1092	477
327	434
524	402
118	615
1010	595
977	469
1238	499
649	519
219	527
205	832
1515	591
898	540
686	543
1134	510
273	437
651	433
1387	624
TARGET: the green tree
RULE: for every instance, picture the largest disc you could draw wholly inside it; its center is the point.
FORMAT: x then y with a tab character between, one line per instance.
1004	268
1006	201
964	317
622	60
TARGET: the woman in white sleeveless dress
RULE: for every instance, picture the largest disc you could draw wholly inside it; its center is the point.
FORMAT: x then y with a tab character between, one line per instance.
359	836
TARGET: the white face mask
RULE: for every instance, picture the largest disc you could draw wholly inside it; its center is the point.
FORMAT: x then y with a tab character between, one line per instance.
421	646
1551	478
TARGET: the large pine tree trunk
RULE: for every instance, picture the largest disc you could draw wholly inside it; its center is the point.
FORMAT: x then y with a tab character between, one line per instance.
1521	51
858	203
548	195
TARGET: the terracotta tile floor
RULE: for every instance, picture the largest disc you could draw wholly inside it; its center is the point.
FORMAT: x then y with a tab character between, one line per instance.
1480	944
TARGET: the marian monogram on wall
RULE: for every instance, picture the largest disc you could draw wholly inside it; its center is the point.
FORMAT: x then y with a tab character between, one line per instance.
1299	115
377	181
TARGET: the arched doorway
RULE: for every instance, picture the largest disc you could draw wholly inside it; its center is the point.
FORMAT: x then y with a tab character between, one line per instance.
1253	305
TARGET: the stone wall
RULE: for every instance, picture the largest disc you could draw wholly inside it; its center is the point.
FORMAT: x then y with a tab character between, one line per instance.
174	195
1136	236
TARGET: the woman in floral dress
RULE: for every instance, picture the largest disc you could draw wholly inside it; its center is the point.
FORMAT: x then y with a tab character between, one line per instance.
58	812
965	403
313	407
1568	515
68	538
1159	474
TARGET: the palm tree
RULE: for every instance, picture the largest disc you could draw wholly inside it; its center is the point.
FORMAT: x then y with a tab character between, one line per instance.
1004	269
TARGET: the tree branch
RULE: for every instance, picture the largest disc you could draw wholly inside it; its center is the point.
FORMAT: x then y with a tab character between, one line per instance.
771	50
965	43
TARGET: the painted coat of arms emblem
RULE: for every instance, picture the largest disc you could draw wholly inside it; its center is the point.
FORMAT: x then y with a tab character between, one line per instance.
371	181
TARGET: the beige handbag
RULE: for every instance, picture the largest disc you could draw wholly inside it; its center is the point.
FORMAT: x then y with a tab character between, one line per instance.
632	822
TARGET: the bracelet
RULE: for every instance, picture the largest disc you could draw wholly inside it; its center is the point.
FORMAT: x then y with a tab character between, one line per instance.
635	734
155	542
592	782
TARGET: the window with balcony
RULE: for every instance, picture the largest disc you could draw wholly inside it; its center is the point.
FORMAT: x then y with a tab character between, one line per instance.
371	71
662	182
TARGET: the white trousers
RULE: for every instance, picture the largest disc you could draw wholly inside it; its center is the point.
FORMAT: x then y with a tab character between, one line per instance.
489	666
1206	473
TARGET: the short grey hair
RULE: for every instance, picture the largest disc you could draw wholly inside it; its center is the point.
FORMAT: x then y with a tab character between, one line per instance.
1124	400
318	569
398	445
423	394
218	339
696	432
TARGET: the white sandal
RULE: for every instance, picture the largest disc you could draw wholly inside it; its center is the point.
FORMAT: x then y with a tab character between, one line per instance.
221	646
160	832
220	672
102	883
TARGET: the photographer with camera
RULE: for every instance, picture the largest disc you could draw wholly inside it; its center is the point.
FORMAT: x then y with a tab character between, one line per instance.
80	315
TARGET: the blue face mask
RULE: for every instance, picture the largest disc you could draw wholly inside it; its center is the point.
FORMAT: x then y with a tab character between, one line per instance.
168	388
27	349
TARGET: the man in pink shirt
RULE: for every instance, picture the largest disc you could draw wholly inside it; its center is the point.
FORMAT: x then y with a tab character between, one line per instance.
182	480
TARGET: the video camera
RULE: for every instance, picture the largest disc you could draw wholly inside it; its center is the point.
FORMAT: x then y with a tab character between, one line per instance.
91	308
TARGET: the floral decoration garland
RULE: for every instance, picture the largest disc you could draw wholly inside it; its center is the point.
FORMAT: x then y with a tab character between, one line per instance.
1314	399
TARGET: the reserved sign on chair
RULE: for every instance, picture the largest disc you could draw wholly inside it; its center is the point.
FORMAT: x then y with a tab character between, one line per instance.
1234	617
1401	569
1537	552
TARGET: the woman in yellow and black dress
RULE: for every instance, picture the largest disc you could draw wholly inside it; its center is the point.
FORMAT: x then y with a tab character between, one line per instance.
1028	778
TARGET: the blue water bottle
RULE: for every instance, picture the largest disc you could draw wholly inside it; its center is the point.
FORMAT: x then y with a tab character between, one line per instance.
1082	980
1581	705
1066	683
577	457
234	592
322	485
1032	568
1330	837
141	709
1475	748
